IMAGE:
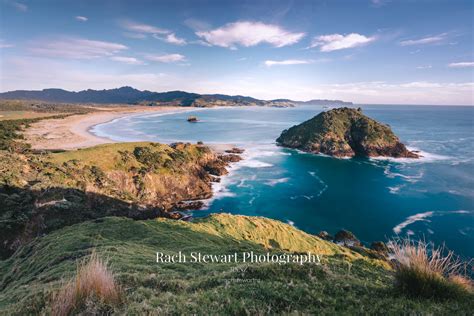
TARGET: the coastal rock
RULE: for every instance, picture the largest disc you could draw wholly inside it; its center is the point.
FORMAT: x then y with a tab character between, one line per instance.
347	238
144	180
230	158
189	205
325	235
380	247
216	167
235	150
345	132
215	179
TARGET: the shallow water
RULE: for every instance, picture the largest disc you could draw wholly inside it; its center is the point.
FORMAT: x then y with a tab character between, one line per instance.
431	198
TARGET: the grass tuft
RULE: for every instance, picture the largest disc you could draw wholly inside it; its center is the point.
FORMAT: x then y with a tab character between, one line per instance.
93	287
423	270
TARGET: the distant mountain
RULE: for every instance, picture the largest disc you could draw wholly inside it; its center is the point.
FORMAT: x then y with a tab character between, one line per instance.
131	95
121	95
324	102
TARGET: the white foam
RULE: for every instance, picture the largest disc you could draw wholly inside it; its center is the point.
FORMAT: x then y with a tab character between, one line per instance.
254	164
395	189
97	131
409	178
274	182
410	220
424	217
325	186
425	157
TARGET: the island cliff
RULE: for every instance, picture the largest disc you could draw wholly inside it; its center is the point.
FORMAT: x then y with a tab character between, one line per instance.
345	132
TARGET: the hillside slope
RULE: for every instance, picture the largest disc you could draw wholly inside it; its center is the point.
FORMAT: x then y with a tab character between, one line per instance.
345	283
41	193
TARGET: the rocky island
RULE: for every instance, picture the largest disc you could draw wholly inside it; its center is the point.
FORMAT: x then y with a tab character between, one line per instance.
345	132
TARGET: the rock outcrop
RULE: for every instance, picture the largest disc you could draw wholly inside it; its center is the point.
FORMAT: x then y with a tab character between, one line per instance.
40	193
345	132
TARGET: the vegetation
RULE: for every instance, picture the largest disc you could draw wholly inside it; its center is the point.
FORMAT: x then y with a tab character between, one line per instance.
346	282
40	107
42	193
425	271
9	134
93	286
62	214
344	132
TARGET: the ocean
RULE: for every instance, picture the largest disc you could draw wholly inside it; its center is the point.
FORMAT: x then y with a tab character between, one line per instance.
431	198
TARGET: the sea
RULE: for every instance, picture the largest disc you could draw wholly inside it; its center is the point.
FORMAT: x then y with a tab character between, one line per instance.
431	198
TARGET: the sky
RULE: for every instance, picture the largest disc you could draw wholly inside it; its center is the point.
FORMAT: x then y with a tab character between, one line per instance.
364	51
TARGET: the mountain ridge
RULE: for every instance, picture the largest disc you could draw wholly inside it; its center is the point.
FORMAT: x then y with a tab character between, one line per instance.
131	95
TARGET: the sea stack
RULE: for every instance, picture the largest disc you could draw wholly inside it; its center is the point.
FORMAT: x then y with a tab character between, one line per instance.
345	132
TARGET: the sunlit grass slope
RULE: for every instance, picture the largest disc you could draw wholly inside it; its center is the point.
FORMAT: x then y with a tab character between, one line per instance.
345	283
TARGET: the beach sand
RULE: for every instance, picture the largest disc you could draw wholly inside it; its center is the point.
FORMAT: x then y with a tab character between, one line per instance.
73	132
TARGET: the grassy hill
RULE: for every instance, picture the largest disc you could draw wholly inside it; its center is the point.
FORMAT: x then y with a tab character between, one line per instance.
345	283
40	193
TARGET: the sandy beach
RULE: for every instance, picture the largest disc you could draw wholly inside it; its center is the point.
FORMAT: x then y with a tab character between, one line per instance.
73	132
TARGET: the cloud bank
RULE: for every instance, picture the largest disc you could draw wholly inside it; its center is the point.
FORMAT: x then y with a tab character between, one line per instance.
248	34
332	42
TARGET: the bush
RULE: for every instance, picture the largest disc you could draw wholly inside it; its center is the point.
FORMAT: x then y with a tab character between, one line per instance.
152	159
423	270
93	287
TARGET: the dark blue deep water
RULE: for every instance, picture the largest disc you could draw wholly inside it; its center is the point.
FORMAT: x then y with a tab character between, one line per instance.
430	198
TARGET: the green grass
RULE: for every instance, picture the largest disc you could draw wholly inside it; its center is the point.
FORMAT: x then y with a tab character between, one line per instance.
42	193
346	283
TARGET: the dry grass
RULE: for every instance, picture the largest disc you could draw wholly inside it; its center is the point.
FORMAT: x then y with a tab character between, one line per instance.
93	282
423	270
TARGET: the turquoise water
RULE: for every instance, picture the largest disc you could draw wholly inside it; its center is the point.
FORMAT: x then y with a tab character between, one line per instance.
430	198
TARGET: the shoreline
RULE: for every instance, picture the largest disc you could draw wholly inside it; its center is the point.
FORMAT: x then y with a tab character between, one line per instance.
75	131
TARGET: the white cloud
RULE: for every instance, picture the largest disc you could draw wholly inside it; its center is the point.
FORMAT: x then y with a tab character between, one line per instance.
197	25
270	63
331	42
4	44
421	84
379	3
170	58
39	73
143	28
465	64
201	42
33	73
249	34
424	67
76	48
20	6
127	60
171	38
81	18
139	31
134	35
425	40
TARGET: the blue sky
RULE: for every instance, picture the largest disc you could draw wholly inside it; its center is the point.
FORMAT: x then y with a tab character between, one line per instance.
365	51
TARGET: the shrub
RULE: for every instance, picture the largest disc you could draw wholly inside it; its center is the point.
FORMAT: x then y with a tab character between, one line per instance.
423	270
148	157
93	285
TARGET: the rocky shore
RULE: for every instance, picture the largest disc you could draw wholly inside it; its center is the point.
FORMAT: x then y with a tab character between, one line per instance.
41	193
